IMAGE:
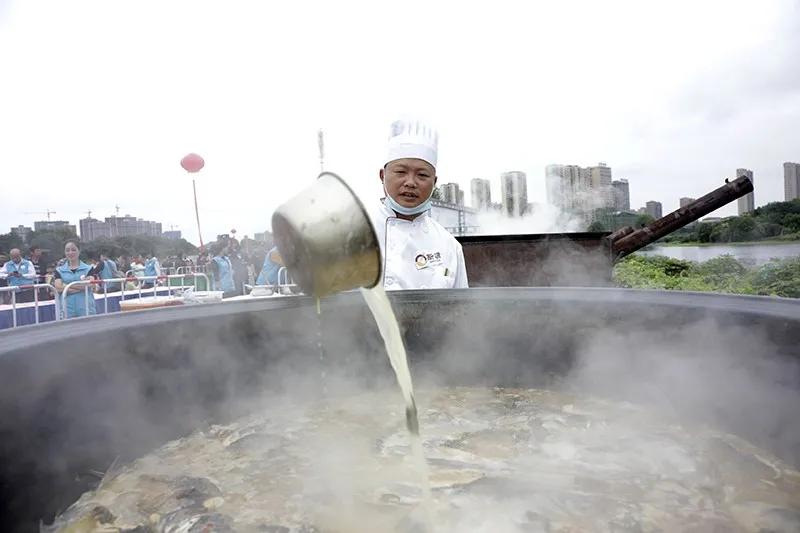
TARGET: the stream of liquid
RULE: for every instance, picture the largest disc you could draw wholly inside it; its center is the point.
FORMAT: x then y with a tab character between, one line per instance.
321	351
381	309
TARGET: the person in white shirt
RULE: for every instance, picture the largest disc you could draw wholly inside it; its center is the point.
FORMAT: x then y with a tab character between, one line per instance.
417	252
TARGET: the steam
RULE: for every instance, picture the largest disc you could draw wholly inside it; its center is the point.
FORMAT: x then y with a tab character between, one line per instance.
697	368
544	218
164	380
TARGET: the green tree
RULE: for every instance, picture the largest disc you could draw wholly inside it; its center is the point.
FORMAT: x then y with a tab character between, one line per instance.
596	226
792	222
721	232
779	278
9	241
776	212
140	245
741	228
703	232
644	220
52	241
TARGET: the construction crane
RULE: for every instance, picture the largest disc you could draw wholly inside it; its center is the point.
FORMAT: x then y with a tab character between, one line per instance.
48	213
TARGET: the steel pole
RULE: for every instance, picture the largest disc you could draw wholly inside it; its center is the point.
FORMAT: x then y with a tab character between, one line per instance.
197	214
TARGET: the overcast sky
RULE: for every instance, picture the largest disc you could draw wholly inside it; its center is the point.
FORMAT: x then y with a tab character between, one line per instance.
101	99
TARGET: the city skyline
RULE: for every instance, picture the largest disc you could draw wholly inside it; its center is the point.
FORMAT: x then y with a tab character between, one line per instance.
117	226
452	193
204	81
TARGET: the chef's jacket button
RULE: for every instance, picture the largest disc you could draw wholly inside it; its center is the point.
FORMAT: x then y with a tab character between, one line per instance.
389	281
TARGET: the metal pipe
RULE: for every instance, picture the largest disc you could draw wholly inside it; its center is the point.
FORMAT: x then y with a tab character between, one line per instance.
36	305
197	215
712	201
14	308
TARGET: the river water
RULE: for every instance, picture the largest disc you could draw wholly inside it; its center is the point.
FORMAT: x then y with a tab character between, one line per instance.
749	254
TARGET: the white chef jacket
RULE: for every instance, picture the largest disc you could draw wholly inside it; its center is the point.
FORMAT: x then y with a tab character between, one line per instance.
419	253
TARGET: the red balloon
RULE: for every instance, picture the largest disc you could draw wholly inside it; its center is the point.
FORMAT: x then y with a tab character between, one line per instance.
192	163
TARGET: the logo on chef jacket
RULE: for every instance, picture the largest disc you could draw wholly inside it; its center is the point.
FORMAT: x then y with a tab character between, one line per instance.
425	260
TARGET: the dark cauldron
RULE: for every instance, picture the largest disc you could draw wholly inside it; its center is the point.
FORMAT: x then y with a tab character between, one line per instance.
78	395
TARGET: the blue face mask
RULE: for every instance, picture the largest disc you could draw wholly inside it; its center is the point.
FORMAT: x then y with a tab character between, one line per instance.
408	211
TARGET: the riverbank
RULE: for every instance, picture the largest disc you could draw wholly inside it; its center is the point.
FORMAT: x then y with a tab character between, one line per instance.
779	277
795	238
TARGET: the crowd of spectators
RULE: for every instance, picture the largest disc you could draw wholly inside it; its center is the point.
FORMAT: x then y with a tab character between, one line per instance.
229	265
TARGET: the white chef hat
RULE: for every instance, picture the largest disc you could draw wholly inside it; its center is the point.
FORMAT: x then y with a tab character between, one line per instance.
410	138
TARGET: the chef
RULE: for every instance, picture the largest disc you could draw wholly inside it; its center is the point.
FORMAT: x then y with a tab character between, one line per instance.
417	252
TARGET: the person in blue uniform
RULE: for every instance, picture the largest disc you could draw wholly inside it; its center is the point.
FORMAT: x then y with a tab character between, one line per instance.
151	268
223	272
110	271
73	269
19	272
272	265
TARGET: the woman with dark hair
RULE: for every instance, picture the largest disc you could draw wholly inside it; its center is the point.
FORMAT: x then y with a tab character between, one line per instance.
73	269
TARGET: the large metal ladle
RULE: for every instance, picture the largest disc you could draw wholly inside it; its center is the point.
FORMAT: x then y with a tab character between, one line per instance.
326	239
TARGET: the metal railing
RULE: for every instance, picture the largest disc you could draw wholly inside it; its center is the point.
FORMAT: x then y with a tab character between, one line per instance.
87	284
285	285
288	283
35	288
192	269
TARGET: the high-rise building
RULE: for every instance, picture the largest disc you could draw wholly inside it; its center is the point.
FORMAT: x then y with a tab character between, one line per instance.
568	187
514	192
173	234
581	191
265	237
450	193
50	225
653	209
686	201
481	194
622	195
747	202
791	181
116	226
600	181
23	232
600	176
92	228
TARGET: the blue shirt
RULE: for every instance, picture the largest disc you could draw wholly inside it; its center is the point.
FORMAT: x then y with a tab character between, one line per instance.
76	302
26	269
225	275
109	268
150	267
269	271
